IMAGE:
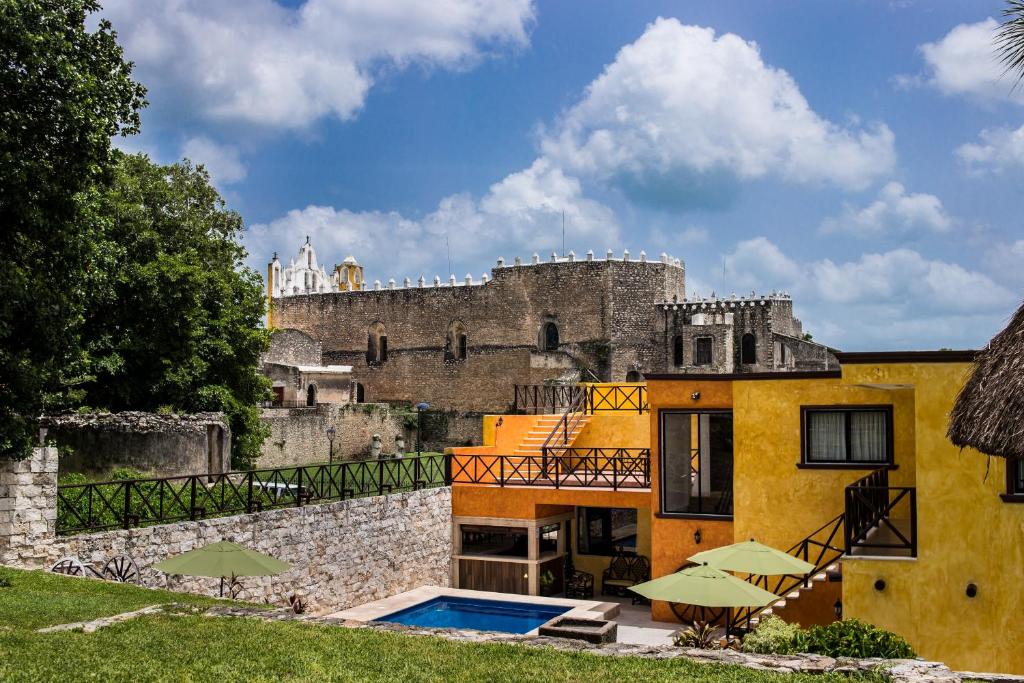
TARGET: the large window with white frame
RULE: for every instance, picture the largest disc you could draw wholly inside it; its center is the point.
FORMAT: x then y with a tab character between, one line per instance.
847	436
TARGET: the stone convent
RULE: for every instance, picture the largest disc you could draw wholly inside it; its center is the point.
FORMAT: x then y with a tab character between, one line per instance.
464	344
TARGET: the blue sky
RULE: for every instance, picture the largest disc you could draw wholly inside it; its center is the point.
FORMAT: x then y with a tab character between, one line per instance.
860	155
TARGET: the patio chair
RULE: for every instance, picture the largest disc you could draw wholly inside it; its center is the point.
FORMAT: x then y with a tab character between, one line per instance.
626	569
578	584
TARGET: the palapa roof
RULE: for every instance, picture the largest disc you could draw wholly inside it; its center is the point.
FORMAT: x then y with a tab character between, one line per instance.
989	412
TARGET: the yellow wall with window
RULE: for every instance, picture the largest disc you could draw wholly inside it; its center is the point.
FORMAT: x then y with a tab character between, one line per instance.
966	534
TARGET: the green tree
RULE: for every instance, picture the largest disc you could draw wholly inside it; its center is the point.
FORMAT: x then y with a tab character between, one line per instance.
177	320
64	91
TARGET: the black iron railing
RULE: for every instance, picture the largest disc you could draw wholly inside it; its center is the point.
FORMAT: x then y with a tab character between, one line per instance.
821	548
614	468
601	397
881	519
287	404
539	399
566	426
141	502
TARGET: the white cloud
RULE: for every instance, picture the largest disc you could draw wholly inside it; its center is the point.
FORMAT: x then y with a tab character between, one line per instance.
964	62
897	299
257	62
1000	149
1006	262
222	162
682	108
895	210
523	209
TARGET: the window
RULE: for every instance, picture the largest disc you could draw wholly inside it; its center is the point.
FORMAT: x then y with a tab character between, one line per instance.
311	395
455	344
494	540
547	538
677	351
847	436
360	393
748	349
696	463
634	376
549	337
377	343
602	531
1014	480
702	351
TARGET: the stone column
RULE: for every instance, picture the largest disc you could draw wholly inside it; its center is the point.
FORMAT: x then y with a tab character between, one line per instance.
28	508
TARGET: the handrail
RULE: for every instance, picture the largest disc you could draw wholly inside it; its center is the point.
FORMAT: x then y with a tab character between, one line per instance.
870	502
824	553
614	468
540	398
619	397
128	503
566	424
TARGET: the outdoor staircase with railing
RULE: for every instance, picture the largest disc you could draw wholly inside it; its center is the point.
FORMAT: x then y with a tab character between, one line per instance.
794	600
533	441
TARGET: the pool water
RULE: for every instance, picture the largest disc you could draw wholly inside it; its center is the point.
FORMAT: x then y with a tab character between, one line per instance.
479	615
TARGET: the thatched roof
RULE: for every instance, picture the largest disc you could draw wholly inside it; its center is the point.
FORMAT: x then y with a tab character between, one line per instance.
989	412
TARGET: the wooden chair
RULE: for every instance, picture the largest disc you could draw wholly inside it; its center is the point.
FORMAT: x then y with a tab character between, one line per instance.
626	569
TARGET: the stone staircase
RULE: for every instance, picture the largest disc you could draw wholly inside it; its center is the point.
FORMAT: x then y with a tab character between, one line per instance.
790	603
538	434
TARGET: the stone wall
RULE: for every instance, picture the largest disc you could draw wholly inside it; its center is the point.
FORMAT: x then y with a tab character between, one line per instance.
603	310
298	436
161	445
342	554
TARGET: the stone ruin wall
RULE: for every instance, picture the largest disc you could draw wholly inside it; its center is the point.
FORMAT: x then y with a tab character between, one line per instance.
604	311
342	554
158	445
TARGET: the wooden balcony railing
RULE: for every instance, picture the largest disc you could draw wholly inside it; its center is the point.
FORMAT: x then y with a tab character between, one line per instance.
614	468
881	519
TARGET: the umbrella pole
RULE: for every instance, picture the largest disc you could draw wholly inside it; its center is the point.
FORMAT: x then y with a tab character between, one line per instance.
222	586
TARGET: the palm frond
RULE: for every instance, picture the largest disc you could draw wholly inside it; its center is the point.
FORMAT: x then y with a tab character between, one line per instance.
1009	39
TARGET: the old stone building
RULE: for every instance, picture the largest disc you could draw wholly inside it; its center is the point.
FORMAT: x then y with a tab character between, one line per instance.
464	344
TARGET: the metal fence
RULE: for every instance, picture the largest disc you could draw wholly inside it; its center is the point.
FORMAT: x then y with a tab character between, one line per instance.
130	503
614	468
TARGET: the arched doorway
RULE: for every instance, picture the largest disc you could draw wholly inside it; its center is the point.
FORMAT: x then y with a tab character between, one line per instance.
311	395
748	349
549	337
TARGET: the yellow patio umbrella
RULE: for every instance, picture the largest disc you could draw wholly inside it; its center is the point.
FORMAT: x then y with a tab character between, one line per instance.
751	557
222	559
705	586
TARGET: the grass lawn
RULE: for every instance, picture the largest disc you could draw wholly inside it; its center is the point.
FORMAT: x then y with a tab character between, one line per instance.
198	648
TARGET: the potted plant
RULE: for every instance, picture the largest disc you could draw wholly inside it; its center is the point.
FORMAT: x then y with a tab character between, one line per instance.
547	581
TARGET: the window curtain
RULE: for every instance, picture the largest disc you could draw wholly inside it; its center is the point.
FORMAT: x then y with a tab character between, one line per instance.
867	436
827	434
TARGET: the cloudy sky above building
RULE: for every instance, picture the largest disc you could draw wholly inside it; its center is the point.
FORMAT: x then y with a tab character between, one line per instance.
864	156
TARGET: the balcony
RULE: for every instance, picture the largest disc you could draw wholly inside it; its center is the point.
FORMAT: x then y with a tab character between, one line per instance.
606	468
881	520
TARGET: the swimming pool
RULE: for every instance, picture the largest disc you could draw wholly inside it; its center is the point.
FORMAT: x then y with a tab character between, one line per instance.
480	615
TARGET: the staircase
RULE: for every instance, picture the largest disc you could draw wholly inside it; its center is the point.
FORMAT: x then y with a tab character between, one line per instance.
794	604
542	428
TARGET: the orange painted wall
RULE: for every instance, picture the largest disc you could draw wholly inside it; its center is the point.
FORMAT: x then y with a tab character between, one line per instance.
527	502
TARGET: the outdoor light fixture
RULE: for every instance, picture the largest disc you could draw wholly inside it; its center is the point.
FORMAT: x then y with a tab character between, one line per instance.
880	585
420	407
695	396
972	590
331	431
838	609
696	536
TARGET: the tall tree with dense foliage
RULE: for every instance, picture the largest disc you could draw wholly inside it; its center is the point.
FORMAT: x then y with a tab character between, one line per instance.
64	91
177	323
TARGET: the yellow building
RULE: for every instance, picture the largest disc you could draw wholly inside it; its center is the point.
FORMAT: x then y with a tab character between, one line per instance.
850	469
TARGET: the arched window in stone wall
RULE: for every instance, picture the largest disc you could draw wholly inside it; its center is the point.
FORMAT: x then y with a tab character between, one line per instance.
677	350
456	342
549	336
311	395
748	349
634	376
377	343
360	393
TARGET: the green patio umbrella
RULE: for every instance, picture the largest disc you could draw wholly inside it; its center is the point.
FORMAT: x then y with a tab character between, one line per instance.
706	587
222	559
751	557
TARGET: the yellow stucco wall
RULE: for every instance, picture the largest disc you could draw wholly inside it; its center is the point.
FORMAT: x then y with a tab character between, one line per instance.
767	450
615	430
966	534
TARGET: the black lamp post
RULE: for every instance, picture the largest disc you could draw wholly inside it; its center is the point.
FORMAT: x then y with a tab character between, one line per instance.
331	431
420	407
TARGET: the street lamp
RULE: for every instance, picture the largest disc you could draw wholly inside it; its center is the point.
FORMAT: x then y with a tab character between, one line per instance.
420	407
331	431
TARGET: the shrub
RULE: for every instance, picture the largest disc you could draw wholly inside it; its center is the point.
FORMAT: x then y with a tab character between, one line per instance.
701	636
773	636
854	638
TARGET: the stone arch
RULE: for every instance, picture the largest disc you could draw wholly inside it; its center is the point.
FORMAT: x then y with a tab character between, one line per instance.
456	341
549	338
376	343
748	349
